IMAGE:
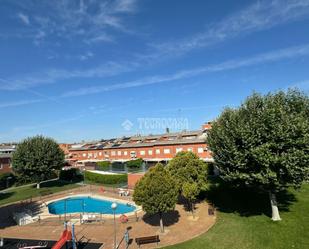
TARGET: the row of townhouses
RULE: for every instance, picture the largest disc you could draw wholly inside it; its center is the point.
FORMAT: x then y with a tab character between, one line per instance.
151	148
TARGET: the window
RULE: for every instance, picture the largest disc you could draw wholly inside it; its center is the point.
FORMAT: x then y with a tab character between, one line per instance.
142	152
132	154
1	166
190	149
89	155
100	153
171	138
189	137
157	151
84	155
125	153
119	153
113	153
149	152
178	150
166	151
200	150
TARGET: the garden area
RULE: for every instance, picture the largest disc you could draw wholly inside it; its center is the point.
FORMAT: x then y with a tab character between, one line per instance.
30	191
243	221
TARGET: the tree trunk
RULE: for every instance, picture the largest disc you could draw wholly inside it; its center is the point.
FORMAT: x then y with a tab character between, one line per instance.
192	208
274	206
161	223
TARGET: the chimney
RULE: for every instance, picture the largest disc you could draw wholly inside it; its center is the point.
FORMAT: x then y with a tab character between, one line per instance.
206	126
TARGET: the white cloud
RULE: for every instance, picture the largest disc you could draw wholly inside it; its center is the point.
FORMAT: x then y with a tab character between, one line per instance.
288	53
103	37
86	56
111	69
85	20
54	75
260	16
19	103
125	5
24	18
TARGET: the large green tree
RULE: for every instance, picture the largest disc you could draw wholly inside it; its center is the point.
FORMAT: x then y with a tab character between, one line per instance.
264	143
190	174
156	192
36	158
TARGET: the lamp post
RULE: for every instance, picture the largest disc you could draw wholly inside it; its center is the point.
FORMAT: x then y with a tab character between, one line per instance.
114	207
83	170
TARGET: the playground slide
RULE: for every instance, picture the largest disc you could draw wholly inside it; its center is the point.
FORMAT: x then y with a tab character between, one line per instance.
66	235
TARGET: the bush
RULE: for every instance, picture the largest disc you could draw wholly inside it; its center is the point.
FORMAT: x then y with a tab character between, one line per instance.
106	179
118	166
4	181
104	165
72	174
137	163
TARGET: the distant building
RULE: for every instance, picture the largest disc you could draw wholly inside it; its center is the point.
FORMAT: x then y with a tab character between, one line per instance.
6	152
152	148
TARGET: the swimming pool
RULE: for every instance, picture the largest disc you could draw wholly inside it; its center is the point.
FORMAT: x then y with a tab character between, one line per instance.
87	204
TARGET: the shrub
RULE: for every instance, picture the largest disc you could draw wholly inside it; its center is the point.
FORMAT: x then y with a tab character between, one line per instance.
72	174
118	166
4	181
106	179
137	163
104	165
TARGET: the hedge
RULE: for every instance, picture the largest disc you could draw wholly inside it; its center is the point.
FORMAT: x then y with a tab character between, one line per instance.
106	179
72	174
137	163
4	180
104	165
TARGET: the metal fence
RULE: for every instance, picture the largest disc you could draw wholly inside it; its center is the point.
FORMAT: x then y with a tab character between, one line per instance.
33	206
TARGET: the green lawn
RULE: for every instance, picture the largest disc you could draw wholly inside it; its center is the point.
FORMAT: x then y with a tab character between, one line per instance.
243	222
27	192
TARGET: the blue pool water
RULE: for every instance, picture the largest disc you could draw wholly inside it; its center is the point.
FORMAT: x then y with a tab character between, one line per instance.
87	204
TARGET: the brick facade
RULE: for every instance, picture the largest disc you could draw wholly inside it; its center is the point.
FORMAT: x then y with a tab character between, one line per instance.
152	148
5	165
133	178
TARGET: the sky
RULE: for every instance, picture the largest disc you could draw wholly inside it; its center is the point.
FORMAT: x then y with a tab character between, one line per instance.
78	70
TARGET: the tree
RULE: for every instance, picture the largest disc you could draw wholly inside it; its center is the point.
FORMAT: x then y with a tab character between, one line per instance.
190	191
36	158
156	192
190	174
264	143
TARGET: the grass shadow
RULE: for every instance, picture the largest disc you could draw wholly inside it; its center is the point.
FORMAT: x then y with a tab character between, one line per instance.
7	212
57	183
245	201
169	218
5	195
187	205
